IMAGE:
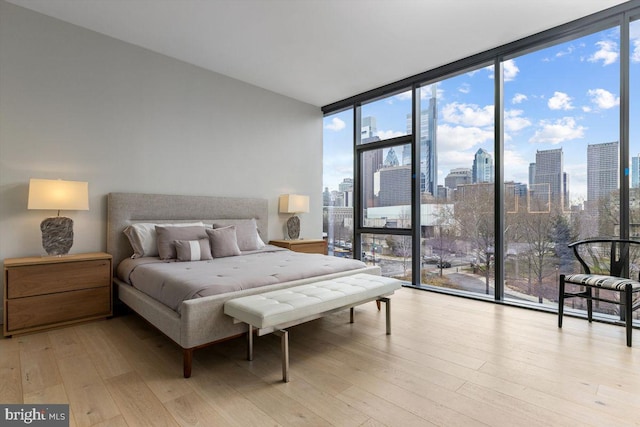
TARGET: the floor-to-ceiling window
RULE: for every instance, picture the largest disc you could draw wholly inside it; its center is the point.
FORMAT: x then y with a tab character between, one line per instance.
477	182
457	181
561	151
634	129
337	195
384	156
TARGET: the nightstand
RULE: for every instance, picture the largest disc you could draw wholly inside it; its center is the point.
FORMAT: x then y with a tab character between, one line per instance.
311	246
45	292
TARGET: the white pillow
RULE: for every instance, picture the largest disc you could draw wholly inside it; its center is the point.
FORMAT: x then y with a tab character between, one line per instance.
143	240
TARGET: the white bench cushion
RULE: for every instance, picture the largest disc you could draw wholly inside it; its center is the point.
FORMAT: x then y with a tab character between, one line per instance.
286	305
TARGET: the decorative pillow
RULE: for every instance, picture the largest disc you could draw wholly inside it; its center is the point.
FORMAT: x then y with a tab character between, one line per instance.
246	232
193	250
142	237
223	241
168	234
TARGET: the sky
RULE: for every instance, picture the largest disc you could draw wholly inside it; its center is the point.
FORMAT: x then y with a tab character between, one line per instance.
564	96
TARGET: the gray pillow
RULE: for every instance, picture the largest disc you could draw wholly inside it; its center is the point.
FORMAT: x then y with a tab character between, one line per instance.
193	250
246	232
223	241
167	235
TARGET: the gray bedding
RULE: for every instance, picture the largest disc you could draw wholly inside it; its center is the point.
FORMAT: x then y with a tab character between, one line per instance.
173	282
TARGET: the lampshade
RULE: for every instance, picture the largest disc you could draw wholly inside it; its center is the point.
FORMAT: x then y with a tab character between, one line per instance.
57	232
294	203
56	194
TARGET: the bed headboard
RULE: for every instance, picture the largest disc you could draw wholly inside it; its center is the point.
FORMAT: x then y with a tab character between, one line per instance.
124	209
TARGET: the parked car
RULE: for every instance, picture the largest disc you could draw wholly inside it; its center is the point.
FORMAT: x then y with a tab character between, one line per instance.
371	258
443	264
430	259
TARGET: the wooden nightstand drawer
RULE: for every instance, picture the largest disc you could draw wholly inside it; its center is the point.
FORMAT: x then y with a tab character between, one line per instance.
45	310
48	279
45	292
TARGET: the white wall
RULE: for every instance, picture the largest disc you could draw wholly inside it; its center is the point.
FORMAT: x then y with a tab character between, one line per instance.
78	105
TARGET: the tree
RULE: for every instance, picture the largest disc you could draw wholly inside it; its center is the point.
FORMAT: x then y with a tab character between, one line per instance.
537	231
474	216
562	234
401	246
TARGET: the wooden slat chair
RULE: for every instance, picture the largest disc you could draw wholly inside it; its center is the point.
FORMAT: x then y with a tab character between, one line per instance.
608	265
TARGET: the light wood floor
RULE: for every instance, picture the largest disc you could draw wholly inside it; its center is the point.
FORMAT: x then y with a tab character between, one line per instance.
449	362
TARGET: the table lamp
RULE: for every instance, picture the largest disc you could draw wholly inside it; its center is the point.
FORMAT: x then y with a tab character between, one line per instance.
293	204
49	194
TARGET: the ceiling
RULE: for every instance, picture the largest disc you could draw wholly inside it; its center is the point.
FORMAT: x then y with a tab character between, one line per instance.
317	51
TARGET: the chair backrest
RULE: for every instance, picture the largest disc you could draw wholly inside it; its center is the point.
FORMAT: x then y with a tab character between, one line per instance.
611	257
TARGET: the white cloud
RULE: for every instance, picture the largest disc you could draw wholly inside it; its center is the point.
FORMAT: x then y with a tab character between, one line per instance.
510	70
468	114
568	51
516	166
586	109
388	134
564	129
518	98
560	101
513	121
634	36
336	124
635	50
404	96
425	93
464	88
461	138
603	99
454	159
607	52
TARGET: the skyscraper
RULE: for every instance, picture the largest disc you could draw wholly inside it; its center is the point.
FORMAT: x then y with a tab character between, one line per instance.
482	167
371	160
391	159
550	178
635	171
371	163
346	185
428	153
532	174
456	177
395	186
369	128
602	170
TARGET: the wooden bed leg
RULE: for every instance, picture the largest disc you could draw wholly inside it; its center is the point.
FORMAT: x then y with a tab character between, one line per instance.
187	357
378	304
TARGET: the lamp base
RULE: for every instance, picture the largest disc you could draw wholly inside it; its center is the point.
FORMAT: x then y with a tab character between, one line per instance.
293	228
57	235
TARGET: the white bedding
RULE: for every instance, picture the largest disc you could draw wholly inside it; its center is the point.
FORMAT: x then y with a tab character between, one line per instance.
173	282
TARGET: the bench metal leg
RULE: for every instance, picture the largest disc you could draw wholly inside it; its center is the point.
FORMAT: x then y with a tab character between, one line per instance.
351	311
284	344
387	305
250	344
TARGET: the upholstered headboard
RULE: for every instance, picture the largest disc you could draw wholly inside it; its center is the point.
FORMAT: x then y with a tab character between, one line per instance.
124	209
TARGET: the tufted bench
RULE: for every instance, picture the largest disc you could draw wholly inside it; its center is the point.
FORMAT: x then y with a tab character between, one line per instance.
276	310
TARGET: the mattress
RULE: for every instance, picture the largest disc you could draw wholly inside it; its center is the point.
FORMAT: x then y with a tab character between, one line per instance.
172	282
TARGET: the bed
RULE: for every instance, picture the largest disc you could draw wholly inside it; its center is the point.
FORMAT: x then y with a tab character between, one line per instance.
197	321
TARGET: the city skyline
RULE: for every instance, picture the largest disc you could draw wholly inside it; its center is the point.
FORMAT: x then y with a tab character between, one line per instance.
564	96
